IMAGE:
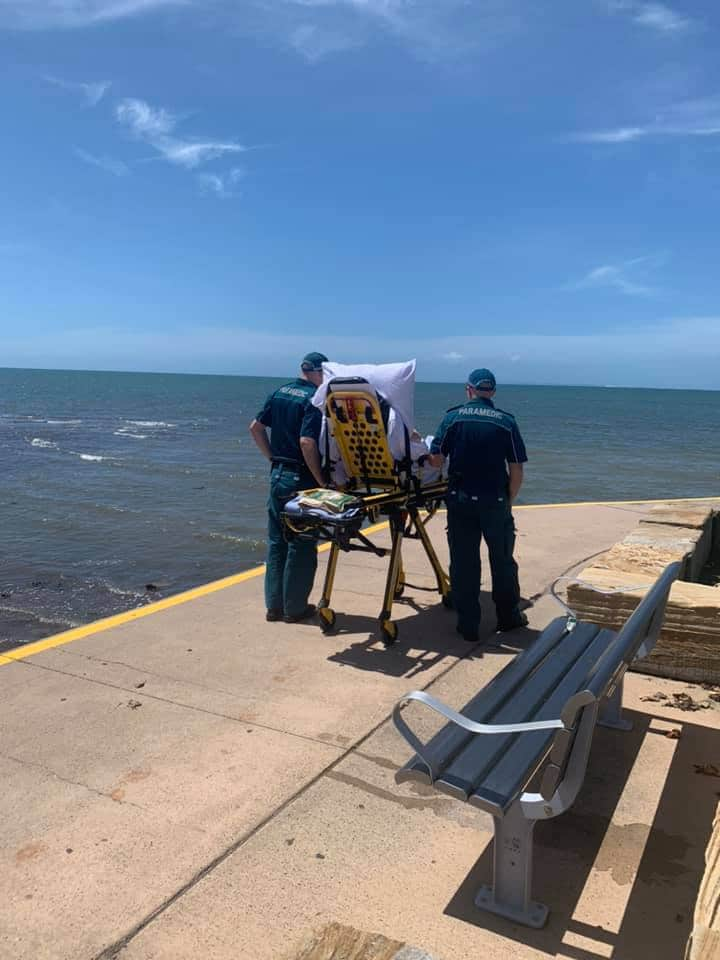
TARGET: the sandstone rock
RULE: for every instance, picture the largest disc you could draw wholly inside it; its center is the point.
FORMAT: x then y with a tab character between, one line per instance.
651	546
337	941
695	542
647	559
697	515
689	644
705	939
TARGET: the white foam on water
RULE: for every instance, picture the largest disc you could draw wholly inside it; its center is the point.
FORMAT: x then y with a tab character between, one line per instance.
63	421
229	538
45	444
88	456
150	423
119	592
125	432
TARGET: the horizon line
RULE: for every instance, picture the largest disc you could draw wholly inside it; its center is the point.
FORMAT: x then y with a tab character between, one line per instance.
273	376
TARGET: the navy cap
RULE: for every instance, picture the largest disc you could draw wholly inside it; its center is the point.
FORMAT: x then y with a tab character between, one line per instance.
312	362
482	379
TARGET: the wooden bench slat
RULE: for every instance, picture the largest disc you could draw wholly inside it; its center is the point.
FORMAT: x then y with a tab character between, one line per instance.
451	739
481	752
520	761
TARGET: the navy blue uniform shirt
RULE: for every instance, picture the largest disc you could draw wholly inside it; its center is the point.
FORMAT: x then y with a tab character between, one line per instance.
480	440
290	415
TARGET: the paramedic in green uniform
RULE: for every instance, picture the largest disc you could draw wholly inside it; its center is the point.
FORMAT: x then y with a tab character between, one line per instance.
292	449
486	454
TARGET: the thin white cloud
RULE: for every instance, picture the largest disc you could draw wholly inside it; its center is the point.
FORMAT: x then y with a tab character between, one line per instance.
691	118
108	164
660	17
623	277
618	135
156	126
452	356
92	93
222	186
144	120
654	16
45	14
681	352
314	43
432	30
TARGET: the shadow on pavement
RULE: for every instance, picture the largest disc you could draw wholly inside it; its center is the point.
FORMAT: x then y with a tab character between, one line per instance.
425	638
661	863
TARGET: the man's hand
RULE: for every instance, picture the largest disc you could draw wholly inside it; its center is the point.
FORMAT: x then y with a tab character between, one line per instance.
516	479
436	460
259	434
311	454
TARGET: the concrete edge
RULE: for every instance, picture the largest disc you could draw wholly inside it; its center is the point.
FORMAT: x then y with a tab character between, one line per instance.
23	651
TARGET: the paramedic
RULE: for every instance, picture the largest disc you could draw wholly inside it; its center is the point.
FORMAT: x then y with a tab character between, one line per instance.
486	454
292	449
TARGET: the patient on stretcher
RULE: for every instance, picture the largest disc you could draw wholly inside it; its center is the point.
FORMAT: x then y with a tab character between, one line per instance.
393	386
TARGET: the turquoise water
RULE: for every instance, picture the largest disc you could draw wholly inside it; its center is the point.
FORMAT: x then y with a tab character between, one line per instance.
111	482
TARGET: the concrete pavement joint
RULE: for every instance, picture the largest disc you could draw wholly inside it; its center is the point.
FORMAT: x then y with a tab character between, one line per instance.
115	949
147	673
176	703
74	783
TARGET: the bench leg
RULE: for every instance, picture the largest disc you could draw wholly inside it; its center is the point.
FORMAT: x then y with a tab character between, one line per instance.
509	896
611	711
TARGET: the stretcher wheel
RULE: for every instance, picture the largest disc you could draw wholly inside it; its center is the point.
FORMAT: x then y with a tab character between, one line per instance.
327	619
389	632
447	601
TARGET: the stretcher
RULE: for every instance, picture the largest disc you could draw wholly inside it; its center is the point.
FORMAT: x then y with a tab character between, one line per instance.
384	486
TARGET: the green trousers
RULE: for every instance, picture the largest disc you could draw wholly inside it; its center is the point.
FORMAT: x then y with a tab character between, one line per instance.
469	521
291	565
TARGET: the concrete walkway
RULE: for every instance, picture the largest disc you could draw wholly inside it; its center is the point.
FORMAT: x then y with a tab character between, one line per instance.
200	784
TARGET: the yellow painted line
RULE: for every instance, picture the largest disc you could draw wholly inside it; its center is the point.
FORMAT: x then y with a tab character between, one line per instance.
611	503
99	626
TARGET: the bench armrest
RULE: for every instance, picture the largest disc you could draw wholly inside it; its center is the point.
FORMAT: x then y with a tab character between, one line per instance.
421	749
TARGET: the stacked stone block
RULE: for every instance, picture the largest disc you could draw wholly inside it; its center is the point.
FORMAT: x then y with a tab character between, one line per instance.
689	645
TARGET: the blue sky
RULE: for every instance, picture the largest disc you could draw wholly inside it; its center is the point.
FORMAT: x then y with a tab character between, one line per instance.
220	186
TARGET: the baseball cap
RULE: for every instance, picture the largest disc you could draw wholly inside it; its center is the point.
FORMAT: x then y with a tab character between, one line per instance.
482	379
312	362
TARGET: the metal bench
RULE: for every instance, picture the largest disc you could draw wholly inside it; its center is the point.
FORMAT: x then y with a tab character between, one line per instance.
519	748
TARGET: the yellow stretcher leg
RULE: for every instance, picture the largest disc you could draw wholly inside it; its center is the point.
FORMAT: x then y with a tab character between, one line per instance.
400	584
325	612
388	627
443	583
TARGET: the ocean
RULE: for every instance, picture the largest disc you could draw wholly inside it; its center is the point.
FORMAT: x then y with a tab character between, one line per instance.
118	489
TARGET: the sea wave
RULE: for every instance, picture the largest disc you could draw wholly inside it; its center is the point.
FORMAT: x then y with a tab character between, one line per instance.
46	617
63	421
45	444
251	542
95	457
151	423
126	432
119	592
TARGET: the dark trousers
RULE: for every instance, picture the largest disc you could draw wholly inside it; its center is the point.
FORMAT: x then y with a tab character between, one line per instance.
469	521
290	568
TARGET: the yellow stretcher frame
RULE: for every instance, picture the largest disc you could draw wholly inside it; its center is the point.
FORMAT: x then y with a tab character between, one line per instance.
385	487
